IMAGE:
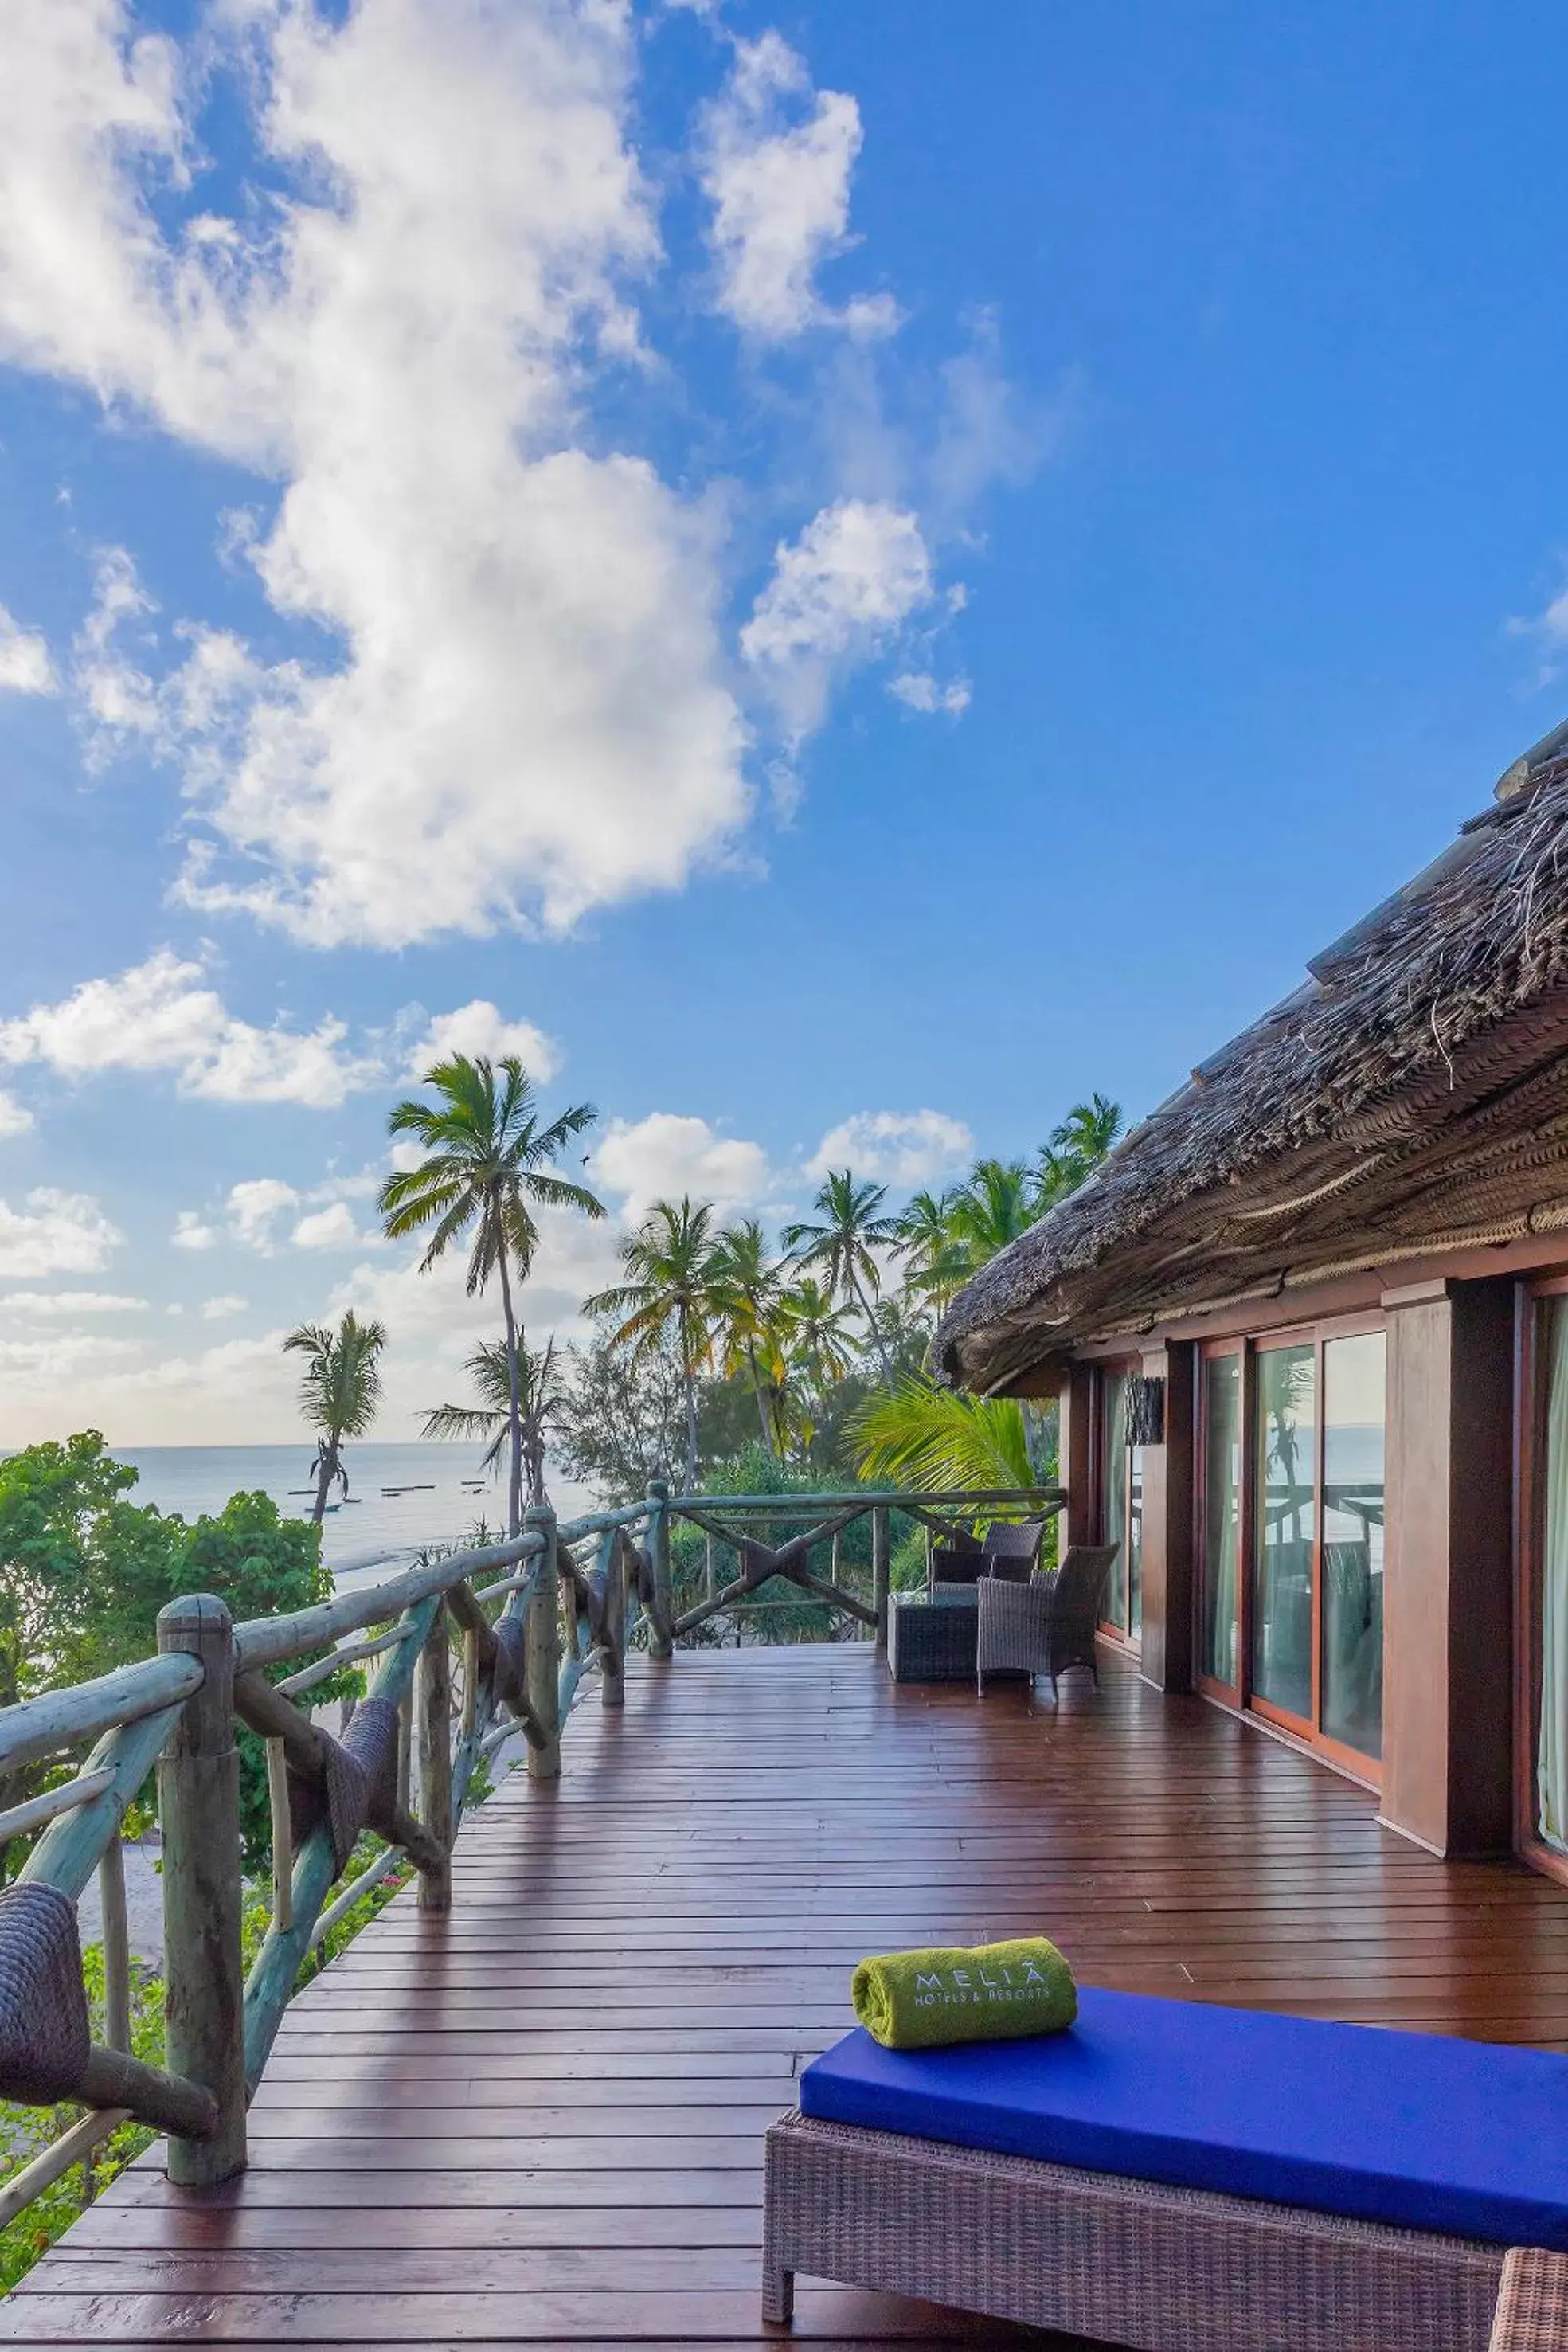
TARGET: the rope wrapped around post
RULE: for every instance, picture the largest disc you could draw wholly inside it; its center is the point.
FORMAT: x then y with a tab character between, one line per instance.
45	2038
358	1787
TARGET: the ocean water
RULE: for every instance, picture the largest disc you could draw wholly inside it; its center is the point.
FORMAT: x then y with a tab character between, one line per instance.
401	1495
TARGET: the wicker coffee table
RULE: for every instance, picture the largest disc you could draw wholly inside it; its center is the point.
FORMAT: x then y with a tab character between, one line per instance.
931	1636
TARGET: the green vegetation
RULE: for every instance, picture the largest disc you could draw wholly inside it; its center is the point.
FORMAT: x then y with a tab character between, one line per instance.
813	1361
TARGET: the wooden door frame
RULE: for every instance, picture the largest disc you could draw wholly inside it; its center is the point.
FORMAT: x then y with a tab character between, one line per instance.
1105	1371
1529	1468
1230	1694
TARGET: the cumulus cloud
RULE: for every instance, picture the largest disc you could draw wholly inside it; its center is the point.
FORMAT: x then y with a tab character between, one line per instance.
479	1028
515	707
191	1231
163	1015
918	690
899	1148
254	1205
55	1233
330	1228
15	1118
838	592
53	1306
227	1303
24	664
666	1155
781	195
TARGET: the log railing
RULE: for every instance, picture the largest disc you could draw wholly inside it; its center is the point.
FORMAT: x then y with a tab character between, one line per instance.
529	1622
780	1536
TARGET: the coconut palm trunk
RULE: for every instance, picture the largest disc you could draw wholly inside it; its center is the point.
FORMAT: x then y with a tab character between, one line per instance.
689	1377
326	1471
514	1386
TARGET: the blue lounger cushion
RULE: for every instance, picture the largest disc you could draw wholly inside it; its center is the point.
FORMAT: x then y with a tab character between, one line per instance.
1463	2137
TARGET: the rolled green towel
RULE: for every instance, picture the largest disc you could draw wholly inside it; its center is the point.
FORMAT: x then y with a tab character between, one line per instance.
991	1992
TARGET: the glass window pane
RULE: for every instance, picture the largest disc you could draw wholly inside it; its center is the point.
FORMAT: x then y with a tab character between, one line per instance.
1551	1754
1115	1459
1221	1515
1287	1477
1353	1386
1135	1539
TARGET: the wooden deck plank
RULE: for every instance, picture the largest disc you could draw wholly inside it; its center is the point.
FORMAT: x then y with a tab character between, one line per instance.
539	2121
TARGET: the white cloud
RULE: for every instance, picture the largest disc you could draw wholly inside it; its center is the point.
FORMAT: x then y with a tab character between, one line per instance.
161	1015
665	1155
918	690
255	1206
55	1232
840	592
896	1148
477	1029
15	1118
193	1233
1549	630
228	1302
51	1306
332	1228
517	707
24	664
781	194
117	699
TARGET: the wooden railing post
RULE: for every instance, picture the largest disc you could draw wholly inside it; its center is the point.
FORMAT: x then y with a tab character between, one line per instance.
612	1665
198	1803
434	1707
661	1616
879	1531
542	1650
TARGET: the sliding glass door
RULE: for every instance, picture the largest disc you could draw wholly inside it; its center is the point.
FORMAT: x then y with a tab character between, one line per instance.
1290	1534
1316	1585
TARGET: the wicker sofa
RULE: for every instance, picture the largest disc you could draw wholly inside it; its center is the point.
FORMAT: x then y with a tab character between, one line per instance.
1337	2248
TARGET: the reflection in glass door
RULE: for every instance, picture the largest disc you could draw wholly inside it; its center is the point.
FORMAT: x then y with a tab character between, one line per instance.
1122	1508
1285	1535
1354	1376
1219	1646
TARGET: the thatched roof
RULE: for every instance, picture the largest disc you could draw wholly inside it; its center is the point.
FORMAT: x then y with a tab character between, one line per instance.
1412	1095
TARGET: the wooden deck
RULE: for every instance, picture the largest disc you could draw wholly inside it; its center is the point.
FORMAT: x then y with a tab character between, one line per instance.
539	2120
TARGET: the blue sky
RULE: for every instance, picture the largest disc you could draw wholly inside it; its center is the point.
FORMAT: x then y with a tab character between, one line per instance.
843	577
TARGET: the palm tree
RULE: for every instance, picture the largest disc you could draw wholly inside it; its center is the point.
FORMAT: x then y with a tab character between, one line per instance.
853	1224
816	1332
933	1263
339	1391
541	1397
996	1204
744	1286
668	1289
935	1439
487	1167
1076	1148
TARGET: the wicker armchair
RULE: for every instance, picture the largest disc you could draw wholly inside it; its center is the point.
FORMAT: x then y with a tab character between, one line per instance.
1010	1550
1047	1625
1533	2307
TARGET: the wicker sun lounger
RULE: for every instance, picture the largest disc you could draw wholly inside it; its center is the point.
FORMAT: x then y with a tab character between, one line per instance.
1120	2262
1320	2188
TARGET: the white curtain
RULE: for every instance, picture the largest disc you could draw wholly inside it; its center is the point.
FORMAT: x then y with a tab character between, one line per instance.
1551	1763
